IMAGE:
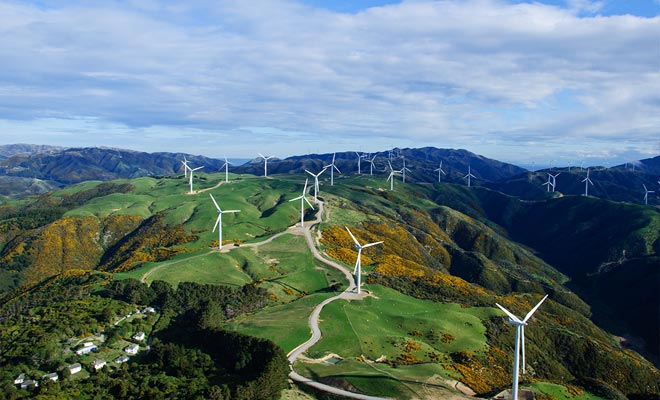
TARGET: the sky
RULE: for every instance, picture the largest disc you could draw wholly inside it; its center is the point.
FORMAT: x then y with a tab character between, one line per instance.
561	81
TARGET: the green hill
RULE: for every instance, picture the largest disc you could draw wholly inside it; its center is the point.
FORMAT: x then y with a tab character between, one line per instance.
448	249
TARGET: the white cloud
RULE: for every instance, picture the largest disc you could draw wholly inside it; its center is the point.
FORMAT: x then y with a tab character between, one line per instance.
420	72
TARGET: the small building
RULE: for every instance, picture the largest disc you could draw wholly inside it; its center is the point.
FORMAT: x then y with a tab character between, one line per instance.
149	310
139	336
28	384
74	368
86	348
98	364
132	349
122	359
52	376
19	379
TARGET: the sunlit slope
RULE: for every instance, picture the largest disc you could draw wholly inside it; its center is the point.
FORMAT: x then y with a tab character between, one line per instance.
116	225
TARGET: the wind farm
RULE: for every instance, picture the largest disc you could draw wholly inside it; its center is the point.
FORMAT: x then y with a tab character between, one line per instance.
414	314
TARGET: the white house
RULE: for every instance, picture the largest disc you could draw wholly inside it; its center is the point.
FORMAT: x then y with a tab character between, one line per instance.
132	349
149	310
98	364
139	336
122	359
74	368
52	376
86	348
19	379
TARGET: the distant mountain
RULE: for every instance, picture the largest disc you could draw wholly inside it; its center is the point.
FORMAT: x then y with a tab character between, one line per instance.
420	163
75	165
9	150
616	184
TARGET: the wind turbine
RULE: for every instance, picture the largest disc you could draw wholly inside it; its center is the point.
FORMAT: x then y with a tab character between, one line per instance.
265	163
316	182
359	162
185	167
587	181
391	175
646	194
469	175
404	169
371	167
226	166
218	222
332	167
303	199
554	181
191	176
520	343
549	183
357	271
440	172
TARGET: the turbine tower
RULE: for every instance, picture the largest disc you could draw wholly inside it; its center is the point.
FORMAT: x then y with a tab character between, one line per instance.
218	222
303	199
549	183
440	172
332	167
587	181
390	177
520	343
191	176
469	175
226	167
357	271
316	182
265	163
646	194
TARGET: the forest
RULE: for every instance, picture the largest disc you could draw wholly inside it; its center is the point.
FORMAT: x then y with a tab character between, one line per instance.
190	356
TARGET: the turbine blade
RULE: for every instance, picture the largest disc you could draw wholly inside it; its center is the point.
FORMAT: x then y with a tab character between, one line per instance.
231	211
353	237
217	222
310	204
294	199
529	314
214	202
371	244
507	312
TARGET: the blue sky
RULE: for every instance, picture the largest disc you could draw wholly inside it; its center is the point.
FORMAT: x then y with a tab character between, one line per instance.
513	80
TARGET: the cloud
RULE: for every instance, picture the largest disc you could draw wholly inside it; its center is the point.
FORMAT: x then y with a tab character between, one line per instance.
420	72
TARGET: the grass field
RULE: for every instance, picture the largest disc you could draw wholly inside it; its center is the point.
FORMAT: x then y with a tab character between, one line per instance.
560	392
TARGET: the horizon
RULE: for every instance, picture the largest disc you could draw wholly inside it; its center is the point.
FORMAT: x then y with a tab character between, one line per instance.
524	82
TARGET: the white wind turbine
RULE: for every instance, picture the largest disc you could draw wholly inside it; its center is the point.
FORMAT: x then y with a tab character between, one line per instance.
404	169
316	182
226	166
549	183
469	175
520	343
265	163
646	194
390	177
371	162
440	172
332	167
359	161
587	181
357	271
218	222
185	167
554	181
191	176
303	199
